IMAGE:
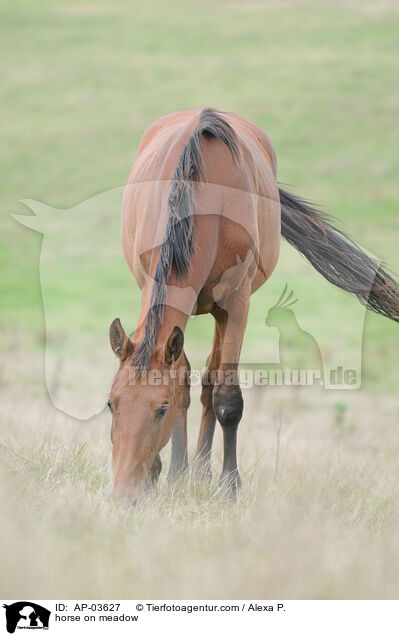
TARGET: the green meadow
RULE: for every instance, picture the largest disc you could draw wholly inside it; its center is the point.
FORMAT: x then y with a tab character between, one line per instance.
81	81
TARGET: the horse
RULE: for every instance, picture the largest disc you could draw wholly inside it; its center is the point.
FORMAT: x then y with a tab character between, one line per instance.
202	217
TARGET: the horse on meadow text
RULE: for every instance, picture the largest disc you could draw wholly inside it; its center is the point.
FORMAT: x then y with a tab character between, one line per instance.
202	217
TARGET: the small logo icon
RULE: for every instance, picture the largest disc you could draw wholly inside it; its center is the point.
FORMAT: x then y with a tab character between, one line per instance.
26	615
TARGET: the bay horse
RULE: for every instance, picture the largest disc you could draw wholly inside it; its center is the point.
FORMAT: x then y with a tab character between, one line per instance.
202	216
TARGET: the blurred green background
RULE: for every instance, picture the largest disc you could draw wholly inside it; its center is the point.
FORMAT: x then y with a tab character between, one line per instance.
82	80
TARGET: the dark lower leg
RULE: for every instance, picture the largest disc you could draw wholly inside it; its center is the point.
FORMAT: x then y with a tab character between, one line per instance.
228	405
230	468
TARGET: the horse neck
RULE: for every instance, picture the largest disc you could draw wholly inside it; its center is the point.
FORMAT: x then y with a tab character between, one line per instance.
175	313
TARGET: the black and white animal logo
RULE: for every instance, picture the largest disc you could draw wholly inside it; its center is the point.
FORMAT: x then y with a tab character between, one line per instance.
26	615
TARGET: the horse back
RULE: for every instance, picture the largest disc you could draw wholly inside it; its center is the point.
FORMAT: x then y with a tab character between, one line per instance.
236	208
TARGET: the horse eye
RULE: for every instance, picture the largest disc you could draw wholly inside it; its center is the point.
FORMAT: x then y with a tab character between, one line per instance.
161	411
110	405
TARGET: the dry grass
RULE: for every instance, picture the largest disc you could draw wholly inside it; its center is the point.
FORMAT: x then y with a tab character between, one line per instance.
320	519
321	522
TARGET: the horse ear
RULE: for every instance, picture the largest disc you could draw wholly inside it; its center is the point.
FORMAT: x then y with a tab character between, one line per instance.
121	344
174	346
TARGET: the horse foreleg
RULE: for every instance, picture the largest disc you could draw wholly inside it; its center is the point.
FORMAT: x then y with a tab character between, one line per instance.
228	405
179	462
227	397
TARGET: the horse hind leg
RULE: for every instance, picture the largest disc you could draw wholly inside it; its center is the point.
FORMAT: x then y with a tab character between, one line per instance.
202	461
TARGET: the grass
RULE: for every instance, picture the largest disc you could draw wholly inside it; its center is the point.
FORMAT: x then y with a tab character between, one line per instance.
320	520
80	83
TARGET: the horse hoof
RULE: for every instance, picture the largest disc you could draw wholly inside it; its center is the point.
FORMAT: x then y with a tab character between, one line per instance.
230	484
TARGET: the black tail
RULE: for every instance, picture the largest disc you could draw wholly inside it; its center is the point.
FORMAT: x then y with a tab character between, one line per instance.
337	257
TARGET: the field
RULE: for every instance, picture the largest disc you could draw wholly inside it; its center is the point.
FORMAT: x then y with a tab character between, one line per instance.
318	514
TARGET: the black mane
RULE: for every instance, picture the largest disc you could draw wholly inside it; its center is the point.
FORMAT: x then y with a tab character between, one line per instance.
177	245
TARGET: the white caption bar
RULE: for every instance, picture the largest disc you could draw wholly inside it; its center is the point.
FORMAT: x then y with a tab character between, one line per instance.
139	616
